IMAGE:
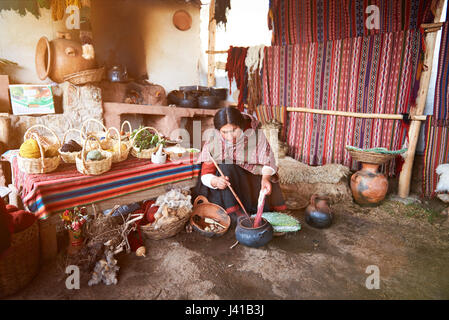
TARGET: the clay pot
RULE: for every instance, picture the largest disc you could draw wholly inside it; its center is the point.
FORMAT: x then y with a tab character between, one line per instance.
318	214
60	57
202	208
249	236
75	242
368	185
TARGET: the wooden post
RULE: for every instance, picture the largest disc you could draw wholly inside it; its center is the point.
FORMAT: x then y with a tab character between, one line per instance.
211	45
415	126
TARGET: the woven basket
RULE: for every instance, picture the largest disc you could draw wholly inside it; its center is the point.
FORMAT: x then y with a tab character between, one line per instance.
93	168
86	76
108	144
146	153
42	164
20	263
165	231
97	134
370	157
125	137
69	157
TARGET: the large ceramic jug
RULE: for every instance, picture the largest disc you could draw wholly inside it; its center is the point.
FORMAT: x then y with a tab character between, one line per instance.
318	214
60	57
369	187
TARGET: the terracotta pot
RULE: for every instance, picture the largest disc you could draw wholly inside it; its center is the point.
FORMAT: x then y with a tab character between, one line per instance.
60	57
202	208
75	242
368	185
318	214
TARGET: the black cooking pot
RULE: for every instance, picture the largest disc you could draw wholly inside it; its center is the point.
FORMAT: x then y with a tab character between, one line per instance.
207	102
253	237
220	93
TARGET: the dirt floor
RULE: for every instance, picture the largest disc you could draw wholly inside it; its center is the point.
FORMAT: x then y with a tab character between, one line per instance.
408	243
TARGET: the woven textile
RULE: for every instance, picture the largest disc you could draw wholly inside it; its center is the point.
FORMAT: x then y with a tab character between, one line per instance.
437	126
45	194
373	74
305	21
266	114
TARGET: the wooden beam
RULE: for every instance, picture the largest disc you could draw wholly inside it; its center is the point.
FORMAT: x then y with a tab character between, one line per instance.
211	45
216	52
357	114
413	134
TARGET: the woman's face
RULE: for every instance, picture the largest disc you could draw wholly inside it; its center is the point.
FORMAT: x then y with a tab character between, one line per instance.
230	132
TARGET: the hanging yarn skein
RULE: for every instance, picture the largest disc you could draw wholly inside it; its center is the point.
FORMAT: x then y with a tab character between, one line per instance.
221	8
254	62
236	69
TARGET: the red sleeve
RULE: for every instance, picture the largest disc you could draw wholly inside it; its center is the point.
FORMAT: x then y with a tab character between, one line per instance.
208	167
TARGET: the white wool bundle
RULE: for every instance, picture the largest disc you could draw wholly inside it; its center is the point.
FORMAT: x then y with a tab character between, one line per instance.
443	183
254	58
88	52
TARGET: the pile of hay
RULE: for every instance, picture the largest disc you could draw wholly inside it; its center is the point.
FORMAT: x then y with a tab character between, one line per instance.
299	181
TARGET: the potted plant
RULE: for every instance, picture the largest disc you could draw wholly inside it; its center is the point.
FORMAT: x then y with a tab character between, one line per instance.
74	221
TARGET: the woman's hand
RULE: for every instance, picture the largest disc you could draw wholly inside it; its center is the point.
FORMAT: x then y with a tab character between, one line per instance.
220	182
266	184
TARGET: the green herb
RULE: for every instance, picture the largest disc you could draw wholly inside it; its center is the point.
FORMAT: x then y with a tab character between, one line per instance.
146	139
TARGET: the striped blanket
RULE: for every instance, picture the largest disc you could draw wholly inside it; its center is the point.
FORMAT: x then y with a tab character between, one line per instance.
374	74
45	194
437	126
305	21
265	114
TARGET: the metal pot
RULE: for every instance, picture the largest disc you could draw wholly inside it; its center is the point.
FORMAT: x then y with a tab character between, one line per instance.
253	237
118	74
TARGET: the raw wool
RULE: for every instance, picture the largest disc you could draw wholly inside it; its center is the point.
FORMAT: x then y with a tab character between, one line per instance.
293	171
105	270
174	205
443	183
271	130
253	63
254	58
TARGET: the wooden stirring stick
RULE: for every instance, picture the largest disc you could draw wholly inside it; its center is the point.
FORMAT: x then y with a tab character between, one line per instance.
229	186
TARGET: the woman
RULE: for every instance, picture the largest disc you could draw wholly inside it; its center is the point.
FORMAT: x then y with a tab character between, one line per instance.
243	154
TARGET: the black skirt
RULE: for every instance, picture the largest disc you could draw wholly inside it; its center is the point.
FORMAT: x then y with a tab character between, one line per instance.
247	187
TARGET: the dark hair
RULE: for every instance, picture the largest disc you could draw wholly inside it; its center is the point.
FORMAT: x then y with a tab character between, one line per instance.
228	115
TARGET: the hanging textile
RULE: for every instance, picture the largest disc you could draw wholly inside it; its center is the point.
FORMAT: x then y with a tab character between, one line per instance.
373	74
303	21
221	10
437	126
266	114
236	69
253	63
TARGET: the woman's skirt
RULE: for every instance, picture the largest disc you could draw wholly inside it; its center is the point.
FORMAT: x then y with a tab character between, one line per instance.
247	187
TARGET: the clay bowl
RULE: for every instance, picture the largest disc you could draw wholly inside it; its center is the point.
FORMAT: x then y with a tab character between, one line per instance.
187	102
202	208
174	96
207	102
220	93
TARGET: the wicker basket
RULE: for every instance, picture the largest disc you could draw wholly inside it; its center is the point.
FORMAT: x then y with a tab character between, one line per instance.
146	153
97	134
42	164
108	144
86	76
20	263
93	168
165	231
69	157
125	137
370	157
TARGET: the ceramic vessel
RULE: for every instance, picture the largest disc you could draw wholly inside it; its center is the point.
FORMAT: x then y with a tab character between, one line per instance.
75	242
368	185
60	57
249	236
202	208
318	214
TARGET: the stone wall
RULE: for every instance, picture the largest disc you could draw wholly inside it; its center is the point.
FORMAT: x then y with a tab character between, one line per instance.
79	104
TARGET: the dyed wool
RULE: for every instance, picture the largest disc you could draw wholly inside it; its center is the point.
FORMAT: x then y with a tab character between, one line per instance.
437	126
373	74
306	21
221	9
236	69
254	62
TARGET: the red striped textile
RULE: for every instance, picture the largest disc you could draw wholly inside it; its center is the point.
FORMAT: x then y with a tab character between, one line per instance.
305	21
373	74
64	188
437	126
